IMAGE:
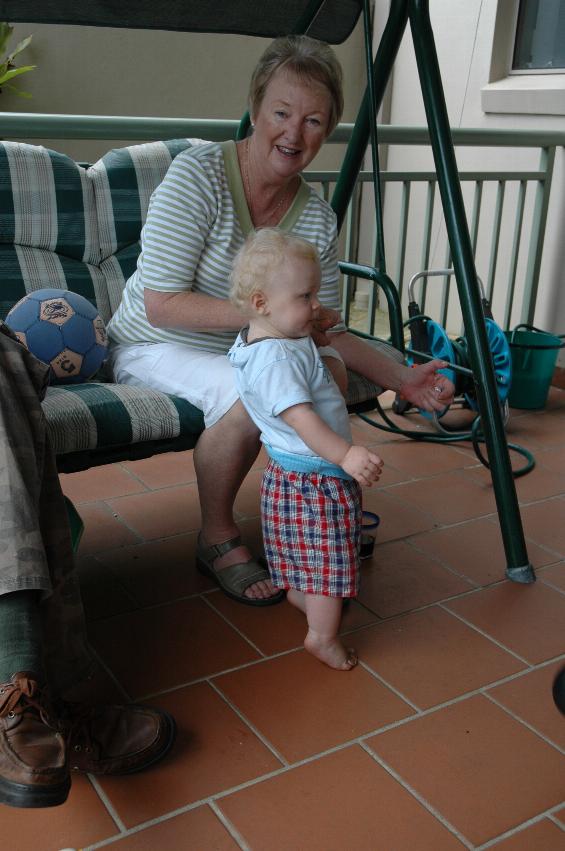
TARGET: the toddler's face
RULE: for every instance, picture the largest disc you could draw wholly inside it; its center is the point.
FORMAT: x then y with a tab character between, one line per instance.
292	297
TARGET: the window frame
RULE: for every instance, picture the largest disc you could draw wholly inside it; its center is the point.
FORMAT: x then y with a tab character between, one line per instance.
512	44
520	91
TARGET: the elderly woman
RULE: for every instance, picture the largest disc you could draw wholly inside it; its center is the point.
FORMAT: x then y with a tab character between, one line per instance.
175	323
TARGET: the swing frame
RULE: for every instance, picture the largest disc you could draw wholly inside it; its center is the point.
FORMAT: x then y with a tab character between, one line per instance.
311	17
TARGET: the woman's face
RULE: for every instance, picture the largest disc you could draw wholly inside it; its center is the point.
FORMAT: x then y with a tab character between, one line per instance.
290	125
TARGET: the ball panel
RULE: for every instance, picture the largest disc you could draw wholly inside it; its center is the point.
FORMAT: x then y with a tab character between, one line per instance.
44	340
100	332
23	314
56	310
67	365
93	360
79	334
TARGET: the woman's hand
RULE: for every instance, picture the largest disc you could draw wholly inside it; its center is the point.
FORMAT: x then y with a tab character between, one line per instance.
325	320
427	388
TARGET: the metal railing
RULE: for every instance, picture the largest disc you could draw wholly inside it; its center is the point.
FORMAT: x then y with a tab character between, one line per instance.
513	219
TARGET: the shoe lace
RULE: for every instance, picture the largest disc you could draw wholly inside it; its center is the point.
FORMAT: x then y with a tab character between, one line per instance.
24	695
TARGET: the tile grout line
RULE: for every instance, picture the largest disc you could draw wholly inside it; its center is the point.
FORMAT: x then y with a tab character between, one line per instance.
112	812
256	781
554	818
552	586
409	788
513	831
444	564
139	828
232	830
235	628
208	677
387	685
526	724
485	635
424	607
217	796
249	724
422	713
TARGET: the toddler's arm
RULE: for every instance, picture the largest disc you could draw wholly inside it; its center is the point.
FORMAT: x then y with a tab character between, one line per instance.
356	460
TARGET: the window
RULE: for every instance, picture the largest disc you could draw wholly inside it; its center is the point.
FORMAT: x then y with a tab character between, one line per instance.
527	71
540	37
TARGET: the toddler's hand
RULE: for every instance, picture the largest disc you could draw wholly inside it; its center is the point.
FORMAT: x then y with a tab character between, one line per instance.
362	464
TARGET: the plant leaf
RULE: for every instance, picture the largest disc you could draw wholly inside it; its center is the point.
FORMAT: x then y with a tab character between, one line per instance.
19	92
19	47
15	72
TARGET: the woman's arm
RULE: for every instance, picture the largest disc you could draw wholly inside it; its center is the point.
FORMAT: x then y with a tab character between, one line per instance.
424	386
182	249
190	311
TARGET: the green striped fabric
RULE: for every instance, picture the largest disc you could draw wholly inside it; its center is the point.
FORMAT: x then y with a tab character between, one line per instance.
48	227
123	182
98	416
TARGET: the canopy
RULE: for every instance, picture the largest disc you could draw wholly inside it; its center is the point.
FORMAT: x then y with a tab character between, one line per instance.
332	20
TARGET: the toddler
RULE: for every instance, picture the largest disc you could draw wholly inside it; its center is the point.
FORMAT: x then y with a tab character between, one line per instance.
310	493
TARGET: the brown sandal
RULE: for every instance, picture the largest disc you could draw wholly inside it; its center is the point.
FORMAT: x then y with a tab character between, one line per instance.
234	580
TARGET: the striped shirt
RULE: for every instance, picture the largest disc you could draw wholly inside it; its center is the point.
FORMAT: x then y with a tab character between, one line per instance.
197	220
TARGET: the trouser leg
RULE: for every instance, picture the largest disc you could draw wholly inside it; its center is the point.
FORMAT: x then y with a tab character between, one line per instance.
35	543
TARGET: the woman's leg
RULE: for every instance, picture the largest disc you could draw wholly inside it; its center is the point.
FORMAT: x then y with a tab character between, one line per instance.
223	456
225	451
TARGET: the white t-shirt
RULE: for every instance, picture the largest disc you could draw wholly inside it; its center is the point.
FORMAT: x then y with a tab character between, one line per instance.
274	374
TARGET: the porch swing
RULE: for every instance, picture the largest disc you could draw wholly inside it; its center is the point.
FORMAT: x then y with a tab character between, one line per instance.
333	21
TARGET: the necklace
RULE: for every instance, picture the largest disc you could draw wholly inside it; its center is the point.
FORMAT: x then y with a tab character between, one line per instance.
269	217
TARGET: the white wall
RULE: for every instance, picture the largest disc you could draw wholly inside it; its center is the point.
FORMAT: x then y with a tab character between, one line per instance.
104	71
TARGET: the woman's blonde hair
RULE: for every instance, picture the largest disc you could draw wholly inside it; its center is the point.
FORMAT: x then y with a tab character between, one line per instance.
309	60
258	260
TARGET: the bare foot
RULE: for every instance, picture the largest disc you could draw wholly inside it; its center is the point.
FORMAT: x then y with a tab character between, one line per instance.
259	590
331	651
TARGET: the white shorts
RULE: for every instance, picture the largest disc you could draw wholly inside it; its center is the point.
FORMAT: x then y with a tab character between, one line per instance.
205	379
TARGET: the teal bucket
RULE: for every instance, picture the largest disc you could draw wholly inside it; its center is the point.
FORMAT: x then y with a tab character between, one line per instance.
534	355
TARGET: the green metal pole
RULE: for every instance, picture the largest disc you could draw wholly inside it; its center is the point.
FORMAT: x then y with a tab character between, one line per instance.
382	66
518	567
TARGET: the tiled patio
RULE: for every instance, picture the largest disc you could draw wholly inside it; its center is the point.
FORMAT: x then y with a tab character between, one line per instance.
444	737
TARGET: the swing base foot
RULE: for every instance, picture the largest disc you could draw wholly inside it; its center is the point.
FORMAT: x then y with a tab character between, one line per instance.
525	575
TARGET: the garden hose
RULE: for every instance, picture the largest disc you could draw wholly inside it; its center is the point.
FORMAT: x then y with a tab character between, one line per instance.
457	352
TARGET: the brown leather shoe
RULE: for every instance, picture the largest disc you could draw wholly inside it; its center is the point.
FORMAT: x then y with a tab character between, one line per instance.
33	768
116	739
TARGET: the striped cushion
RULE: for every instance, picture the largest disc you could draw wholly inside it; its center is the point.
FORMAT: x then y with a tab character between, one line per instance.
98	416
24	269
123	181
48	228
46	201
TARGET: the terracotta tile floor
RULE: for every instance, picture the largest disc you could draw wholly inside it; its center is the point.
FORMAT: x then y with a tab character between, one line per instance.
444	737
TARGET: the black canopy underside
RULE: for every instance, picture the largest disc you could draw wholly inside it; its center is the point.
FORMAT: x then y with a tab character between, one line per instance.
331	20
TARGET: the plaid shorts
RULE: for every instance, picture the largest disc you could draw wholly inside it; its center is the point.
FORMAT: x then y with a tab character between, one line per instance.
311	529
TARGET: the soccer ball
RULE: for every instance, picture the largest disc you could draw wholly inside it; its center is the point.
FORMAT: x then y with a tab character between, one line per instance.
62	329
